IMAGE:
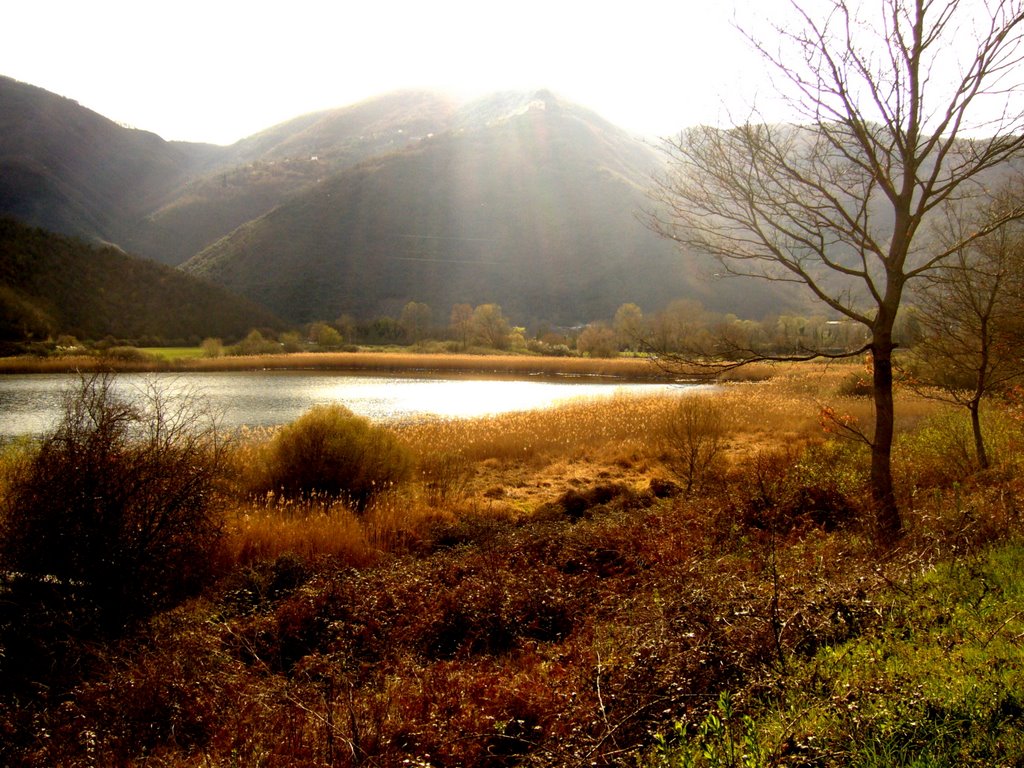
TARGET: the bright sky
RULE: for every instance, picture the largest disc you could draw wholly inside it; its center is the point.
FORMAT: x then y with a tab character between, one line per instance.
219	70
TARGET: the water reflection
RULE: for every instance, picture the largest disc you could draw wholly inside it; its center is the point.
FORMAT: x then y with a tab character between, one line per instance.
29	404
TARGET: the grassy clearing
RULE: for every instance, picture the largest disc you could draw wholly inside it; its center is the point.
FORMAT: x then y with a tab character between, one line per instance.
541	592
931	678
173	353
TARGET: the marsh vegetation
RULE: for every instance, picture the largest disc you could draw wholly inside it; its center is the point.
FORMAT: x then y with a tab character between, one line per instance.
615	582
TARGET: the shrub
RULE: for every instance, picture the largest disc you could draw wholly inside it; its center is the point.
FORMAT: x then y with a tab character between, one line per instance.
212	347
793	488
855	384
114	514
694	438
126	354
332	452
255	344
598	340
445	476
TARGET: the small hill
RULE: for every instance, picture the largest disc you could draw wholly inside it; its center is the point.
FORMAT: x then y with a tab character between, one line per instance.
51	284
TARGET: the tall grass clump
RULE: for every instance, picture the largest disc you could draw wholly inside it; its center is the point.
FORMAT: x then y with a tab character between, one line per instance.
264	532
330	452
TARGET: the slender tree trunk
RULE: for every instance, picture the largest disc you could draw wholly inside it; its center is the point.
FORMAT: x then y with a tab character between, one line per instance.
979	441
888	524
980	387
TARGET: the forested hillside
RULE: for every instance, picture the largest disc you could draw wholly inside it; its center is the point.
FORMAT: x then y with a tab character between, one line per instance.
52	285
533	205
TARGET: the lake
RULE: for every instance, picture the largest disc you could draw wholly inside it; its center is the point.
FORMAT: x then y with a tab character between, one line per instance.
30	404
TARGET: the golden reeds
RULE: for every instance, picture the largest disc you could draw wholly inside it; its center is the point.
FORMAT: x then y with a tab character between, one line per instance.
261	532
631	368
510	463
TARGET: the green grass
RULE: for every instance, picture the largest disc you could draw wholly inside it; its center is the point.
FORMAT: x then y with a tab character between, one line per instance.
933	681
173	353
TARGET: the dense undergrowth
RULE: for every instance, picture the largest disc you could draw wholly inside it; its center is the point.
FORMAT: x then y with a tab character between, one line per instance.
542	589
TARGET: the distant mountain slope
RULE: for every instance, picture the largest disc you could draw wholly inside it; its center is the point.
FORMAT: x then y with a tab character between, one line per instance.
519	198
70	170
51	284
348	134
257	173
529	202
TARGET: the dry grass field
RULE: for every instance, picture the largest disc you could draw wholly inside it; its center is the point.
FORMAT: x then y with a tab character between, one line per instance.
393	362
592	584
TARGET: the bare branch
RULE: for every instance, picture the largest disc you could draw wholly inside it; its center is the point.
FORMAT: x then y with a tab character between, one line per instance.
887	134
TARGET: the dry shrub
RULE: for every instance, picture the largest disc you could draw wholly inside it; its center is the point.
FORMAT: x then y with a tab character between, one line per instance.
796	487
247	459
117	509
855	384
966	517
445	475
694	438
396	524
330	451
939	453
113	518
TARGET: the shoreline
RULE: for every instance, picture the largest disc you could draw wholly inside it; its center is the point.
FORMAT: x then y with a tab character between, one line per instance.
627	369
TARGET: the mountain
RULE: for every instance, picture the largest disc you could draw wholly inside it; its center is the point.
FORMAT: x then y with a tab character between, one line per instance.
519	198
70	170
52	284
254	175
526	201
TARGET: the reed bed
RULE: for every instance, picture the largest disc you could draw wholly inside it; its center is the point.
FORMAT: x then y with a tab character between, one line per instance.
82	363
398	362
569	430
264	531
767	413
628	368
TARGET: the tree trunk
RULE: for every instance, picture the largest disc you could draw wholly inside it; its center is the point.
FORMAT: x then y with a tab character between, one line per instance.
979	442
888	525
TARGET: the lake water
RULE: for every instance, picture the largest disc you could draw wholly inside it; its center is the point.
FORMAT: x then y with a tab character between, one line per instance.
30	404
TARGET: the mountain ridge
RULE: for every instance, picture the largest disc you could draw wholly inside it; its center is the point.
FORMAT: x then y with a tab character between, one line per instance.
518	198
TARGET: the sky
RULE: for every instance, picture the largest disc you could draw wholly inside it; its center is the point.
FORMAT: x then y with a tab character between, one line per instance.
219	70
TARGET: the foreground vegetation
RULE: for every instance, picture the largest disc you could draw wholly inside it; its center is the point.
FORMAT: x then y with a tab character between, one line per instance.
663	581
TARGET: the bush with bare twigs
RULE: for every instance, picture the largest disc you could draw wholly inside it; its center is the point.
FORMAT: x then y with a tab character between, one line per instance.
694	438
113	517
329	451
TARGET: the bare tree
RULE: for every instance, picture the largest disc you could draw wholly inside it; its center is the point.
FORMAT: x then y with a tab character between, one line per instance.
461	323
971	339
629	326
415	320
695	437
489	326
889	125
